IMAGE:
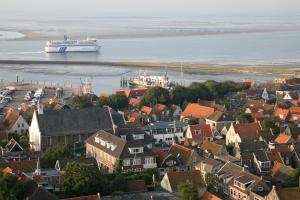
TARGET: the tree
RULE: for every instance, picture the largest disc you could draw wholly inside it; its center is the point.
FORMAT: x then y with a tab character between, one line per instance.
119	183
210	181
245	118
52	154
10	187
294	180
103	101
268	124
24	141
82	179
81	102
156	95
118	101
180	95
187	191
118	166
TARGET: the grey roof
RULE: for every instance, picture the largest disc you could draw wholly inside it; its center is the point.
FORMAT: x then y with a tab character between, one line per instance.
74	121
42	193
261	155
130	131
219	116
118	118
245	178
252	146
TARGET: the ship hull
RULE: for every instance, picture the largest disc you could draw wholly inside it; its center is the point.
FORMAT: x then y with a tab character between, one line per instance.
65	49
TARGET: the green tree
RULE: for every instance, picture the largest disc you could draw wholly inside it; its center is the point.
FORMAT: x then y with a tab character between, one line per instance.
24	141
198	91
81	102
83	179
294	180
118	166
245	118
52	154
118	101
119	183
210	181
103	101
156	95
10	187
187	191
268	124
180	95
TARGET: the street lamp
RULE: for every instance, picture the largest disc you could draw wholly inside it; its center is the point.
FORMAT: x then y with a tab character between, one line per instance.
74	147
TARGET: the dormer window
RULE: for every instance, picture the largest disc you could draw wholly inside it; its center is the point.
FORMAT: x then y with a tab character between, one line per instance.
136	150
123	137
138	136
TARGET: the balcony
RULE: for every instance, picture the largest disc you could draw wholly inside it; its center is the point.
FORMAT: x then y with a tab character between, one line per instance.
149	166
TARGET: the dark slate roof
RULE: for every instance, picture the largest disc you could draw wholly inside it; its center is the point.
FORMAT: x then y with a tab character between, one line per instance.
130	131
74	121
261	155
252	146
118	118
42	193
219	116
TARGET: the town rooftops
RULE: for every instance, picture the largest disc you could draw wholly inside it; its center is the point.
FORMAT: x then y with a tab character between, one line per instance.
283	139
74	121
195	110
247	131
251	146
164	125
209	196
281	172
288	193
147	110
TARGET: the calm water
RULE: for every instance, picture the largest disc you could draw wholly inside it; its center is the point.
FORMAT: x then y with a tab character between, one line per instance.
243	48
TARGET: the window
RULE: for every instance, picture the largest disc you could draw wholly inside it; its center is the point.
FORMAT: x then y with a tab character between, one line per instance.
22	124
149	160
126	162
137	161
123	137
18	125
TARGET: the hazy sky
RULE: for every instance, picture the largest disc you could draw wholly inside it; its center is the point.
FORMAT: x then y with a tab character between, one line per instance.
86	7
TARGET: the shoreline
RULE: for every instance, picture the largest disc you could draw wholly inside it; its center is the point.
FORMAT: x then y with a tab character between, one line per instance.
277	70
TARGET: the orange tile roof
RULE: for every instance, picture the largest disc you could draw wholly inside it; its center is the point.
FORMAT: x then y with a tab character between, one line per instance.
104	95
282	139
181	152
146	109
211	147
134	101
197	111
159	108
200	130
11	117
161	155
22	166
209	196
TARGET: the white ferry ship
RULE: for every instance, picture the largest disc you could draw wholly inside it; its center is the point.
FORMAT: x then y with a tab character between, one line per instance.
68	45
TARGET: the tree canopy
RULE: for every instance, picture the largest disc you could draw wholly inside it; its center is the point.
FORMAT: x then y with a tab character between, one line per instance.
82	179
52	154
187	191
156	95
115	101
10	187
81	102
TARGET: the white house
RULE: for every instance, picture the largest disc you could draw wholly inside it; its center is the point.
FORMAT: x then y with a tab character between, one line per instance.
16	123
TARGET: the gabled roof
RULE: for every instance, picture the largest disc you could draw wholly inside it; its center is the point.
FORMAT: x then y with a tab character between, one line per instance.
192	176
159	108
250	146
147	110
11	118
74	121
211	147
181	152
13	146
247	131
42	193
195	110
201	131
219	116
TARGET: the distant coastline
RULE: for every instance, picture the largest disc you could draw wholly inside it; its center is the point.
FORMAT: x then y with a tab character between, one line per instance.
280	71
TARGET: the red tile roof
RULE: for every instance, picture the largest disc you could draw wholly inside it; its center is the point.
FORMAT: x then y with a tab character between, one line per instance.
197	111
295	110
209	196
159	108
281	113
12	118
247	131
258	116
200	131
134	101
